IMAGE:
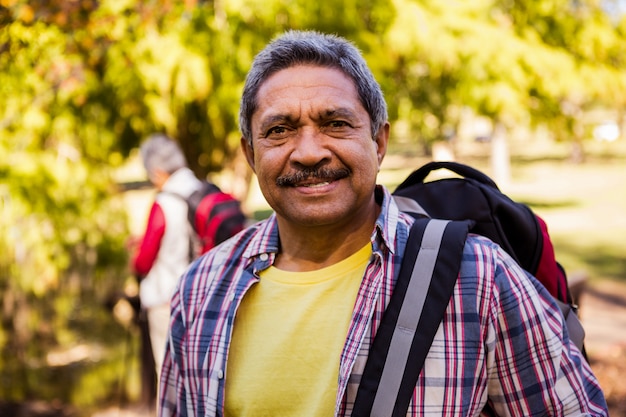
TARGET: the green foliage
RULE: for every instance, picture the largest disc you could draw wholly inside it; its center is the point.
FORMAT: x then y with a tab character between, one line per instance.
577	63
62	240
62	228
544	61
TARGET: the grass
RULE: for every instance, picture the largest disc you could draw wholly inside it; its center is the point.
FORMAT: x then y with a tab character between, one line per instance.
584	206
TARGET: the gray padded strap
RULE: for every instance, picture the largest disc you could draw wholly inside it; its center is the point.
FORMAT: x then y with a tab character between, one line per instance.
408	205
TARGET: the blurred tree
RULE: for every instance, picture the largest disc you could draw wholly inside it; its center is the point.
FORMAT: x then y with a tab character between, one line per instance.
581	64
542	62
61	232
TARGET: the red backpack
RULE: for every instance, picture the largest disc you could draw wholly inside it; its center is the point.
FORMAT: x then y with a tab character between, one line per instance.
214	216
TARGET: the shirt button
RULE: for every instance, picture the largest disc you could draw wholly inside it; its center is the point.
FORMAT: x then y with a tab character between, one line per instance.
264	257
220	374
231	296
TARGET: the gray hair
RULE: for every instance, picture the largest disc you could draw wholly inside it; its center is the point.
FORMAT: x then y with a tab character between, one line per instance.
159	151
311	47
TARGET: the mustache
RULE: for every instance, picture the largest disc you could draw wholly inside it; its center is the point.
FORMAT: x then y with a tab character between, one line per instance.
324	174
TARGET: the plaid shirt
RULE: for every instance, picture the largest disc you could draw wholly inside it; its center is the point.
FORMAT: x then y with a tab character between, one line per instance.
500	350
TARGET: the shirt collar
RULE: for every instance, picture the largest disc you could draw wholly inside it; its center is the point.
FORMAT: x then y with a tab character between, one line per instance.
265	240
387	222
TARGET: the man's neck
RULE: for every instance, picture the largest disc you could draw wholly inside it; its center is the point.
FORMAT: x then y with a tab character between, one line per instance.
309	249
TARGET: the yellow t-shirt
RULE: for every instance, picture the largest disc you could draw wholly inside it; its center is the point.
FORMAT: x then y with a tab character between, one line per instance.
288	336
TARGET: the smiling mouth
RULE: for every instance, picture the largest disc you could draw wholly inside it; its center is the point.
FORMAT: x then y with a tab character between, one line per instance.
312	178
315	185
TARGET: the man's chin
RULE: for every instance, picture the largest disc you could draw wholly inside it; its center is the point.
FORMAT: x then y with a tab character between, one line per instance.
309	218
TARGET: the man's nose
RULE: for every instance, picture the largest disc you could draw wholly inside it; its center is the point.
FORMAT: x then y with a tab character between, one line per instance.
311	147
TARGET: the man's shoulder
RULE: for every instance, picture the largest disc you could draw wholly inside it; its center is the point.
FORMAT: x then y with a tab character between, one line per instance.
475	241
486	261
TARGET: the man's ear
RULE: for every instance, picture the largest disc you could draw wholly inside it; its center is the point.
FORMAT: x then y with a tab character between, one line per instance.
248	151
381	139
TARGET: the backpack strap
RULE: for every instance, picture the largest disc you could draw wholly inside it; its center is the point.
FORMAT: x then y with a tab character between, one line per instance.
419	175
194	200
575	329
420	298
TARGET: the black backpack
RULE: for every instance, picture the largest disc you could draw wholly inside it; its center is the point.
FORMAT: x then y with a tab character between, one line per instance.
475	196
446	210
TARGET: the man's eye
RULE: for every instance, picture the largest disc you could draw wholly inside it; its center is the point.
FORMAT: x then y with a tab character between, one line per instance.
276	131
338	124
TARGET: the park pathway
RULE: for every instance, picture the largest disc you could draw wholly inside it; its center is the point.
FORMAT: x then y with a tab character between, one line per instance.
603	313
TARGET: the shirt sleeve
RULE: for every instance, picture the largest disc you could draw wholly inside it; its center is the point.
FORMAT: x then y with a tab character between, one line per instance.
173	394
535	368
149	248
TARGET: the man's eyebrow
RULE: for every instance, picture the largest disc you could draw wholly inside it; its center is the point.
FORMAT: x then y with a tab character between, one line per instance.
273	120
338	112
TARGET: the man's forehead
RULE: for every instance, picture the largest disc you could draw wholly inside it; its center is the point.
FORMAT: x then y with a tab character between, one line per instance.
310	73
308	84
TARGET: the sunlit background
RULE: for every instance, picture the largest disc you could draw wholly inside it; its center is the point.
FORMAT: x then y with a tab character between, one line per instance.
531	92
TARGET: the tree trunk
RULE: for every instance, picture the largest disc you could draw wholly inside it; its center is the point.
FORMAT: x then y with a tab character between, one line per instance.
500	157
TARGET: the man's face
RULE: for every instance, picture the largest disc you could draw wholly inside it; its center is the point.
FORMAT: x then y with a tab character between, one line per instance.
313	150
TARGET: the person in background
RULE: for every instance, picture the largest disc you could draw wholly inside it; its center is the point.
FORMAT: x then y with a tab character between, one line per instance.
164	251
278	320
